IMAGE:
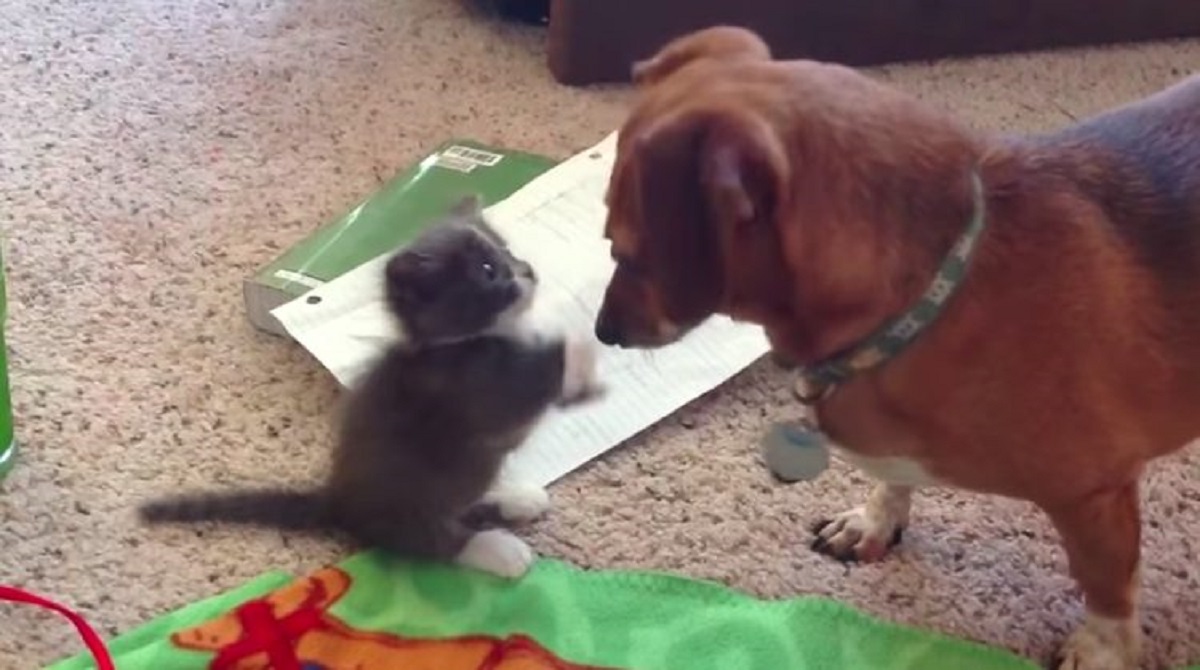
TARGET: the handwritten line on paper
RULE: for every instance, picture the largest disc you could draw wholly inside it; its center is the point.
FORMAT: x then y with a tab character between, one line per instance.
556	224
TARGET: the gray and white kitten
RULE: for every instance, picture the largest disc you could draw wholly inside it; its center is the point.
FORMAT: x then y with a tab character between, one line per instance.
424	434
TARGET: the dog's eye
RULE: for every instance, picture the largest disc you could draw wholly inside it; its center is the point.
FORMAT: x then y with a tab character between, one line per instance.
489	270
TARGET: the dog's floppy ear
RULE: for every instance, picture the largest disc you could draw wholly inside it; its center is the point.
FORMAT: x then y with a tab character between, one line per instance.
723	42
677	243
702	175
744	169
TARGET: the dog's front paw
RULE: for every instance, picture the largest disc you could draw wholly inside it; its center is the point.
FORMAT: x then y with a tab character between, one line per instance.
1101	644
864	534
579	381
497	552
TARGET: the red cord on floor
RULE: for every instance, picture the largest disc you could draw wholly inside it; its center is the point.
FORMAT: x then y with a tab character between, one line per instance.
94	644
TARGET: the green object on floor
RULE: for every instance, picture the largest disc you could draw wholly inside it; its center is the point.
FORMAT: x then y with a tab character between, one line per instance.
8	444
377	612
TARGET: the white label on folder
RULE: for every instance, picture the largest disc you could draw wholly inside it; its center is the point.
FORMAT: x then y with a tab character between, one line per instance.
455	163
476	156
288	275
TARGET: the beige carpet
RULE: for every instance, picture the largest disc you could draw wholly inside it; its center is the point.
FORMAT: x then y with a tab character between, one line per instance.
154	152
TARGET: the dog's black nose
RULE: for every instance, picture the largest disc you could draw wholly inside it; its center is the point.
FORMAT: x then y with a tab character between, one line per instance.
606	332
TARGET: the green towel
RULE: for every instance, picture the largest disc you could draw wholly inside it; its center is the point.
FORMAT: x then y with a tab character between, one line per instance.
373	610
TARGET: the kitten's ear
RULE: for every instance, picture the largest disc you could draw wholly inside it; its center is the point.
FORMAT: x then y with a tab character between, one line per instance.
489	232
468	205
408	278
470	209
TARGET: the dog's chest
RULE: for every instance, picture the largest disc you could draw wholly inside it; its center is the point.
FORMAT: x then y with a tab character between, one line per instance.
879	442
890	469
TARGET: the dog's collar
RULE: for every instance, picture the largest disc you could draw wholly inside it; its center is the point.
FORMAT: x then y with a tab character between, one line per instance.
892	338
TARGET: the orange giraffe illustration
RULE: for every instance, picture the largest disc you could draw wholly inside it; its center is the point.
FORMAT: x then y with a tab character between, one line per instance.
291	629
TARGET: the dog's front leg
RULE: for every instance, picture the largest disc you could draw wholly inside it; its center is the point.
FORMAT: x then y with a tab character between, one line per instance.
866	533
1102	535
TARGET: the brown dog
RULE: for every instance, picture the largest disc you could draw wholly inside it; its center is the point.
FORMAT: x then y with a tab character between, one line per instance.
820	204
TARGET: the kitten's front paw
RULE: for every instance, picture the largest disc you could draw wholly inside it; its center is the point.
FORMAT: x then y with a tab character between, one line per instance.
579	382
518	503
497	552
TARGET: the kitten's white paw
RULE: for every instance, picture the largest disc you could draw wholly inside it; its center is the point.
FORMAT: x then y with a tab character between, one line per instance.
518	503
579	369
498	552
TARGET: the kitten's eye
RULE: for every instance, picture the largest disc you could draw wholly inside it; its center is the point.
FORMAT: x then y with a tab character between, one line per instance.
489	270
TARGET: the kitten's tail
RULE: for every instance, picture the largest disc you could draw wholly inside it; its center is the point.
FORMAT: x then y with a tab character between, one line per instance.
272	508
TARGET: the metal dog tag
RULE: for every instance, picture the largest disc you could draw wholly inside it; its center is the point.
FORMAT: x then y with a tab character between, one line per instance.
795	451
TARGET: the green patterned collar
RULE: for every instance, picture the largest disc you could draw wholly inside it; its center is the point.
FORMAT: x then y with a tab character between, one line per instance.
895	335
